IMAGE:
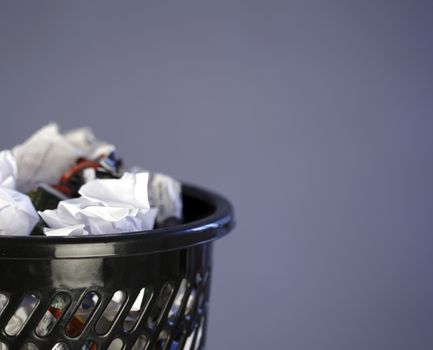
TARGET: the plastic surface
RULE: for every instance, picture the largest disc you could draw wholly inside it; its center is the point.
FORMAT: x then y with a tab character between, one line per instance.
170	267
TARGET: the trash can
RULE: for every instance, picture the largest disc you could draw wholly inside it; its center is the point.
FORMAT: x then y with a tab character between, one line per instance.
133	291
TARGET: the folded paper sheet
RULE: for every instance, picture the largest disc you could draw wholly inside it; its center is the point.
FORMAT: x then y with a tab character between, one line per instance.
105	206
17	214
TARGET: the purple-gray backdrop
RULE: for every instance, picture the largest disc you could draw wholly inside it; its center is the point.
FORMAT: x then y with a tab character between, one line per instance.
314	117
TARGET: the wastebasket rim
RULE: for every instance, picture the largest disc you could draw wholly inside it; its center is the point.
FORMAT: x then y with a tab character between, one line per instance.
216	225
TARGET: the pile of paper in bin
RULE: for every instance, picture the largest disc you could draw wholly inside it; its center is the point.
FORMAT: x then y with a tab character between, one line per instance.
73	184
57	184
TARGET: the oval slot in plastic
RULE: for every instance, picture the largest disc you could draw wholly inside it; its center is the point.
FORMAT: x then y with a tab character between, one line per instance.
191	303
162	342
78	321
60	346
160	305
110	312
199	334
141	343
3	303
138	308
22	315
116	344
178	300
53	314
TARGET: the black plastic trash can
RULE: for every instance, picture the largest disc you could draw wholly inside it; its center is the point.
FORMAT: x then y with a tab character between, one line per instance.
132	291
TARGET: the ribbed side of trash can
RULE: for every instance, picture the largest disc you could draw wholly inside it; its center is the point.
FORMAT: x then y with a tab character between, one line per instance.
83	292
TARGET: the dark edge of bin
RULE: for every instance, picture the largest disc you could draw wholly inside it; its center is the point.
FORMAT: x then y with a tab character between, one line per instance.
209	228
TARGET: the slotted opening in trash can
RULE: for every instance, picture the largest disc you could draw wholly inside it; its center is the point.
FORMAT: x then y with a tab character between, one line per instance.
79	320
190	303
60	346
189	343
141	343
111	311
22	315
137	309
199	334
178	301
160	305
3	302
162	342
54	313
116	344
179	338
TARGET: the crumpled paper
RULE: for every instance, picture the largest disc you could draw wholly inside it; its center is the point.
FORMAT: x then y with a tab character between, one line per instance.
8	169
165	193
17	215
47	154
85	140
105	206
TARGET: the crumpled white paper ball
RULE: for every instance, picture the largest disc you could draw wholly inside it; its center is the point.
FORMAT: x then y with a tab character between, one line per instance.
18	217
105	206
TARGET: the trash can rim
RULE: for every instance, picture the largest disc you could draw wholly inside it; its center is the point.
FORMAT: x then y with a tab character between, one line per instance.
215	225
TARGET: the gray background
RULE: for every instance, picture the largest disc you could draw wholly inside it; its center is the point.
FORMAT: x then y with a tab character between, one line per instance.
314	118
